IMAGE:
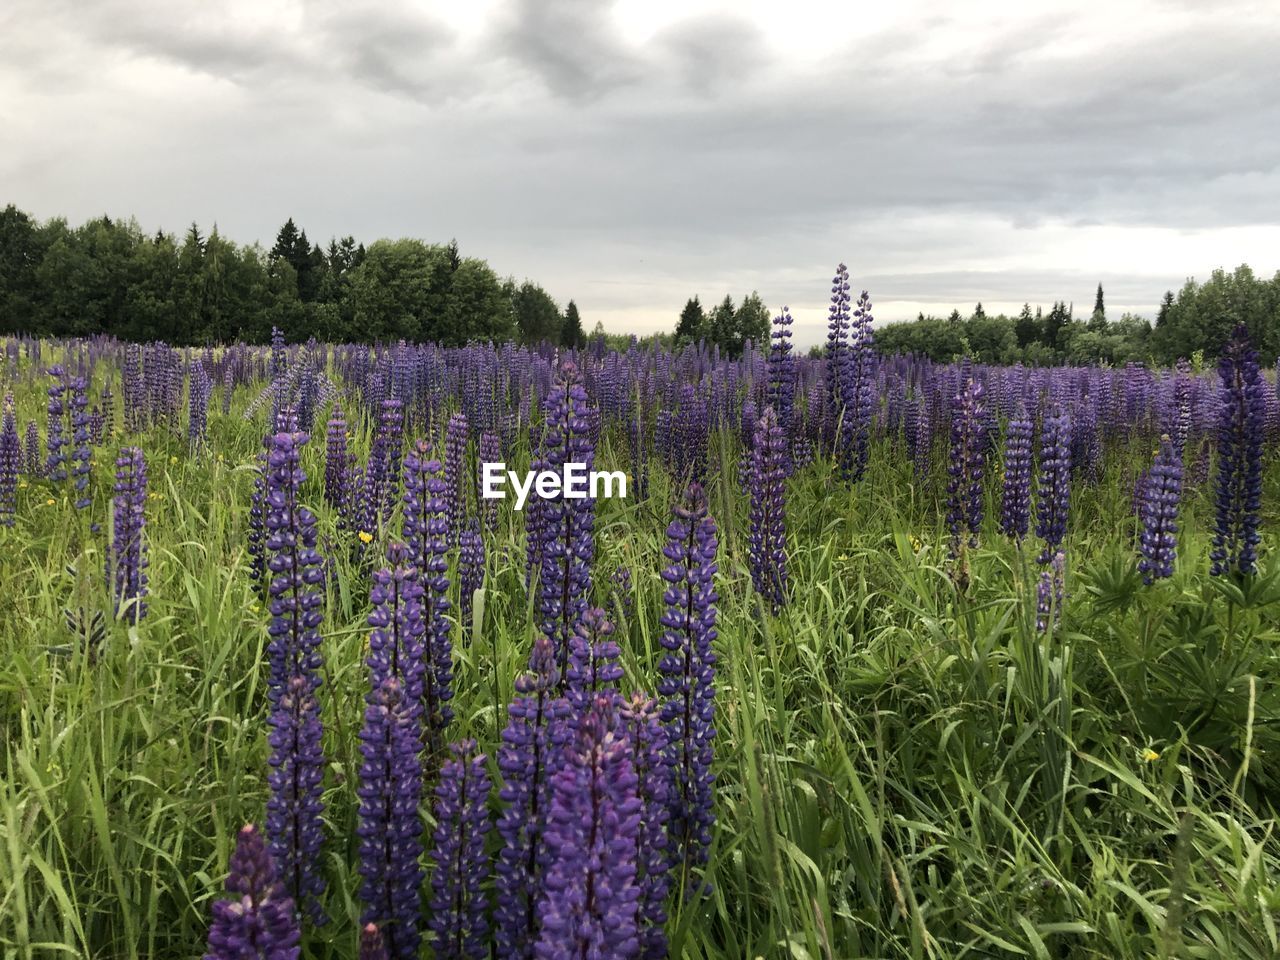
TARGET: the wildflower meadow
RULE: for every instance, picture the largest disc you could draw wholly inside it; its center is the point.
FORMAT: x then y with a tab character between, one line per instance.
876	657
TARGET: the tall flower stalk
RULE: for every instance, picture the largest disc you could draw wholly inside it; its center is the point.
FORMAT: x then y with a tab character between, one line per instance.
589	902
127	554
296	573
768	544
529	754
1158	511
1241	420
1053	493
459	904
426	531
687	683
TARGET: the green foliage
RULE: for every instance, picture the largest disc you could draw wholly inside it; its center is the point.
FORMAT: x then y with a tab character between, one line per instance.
571	334
108	277
903	770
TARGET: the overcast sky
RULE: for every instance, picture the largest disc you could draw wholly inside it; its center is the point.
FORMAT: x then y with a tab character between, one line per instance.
631	154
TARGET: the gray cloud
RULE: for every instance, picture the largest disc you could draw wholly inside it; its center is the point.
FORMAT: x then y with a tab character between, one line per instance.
629	174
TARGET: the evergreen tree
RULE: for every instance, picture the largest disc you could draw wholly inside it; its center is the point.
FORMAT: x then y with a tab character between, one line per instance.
692	325
1027	327
571	333
1098	319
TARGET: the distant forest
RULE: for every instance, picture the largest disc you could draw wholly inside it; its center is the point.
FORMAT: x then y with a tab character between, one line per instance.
1197	320
109	277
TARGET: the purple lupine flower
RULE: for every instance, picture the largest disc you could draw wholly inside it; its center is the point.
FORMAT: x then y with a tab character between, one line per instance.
455	454
590	900
470	572
651	760
1241	419
564	585
968	443
768	548
31	461
258	921
382	475
1158	511
10	461
389	830
294	808
198	394
528	756
55	439
372	946
127	552
295	568
1180	414
295	596
425	531
458	902
396	645
1053	492
858	383
782	376
593	658
490	452
837	347
687	684
1015	501
337	465
1050	593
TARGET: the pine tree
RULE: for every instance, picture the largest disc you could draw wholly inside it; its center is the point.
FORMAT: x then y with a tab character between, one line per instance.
692	325
571	334
1098	319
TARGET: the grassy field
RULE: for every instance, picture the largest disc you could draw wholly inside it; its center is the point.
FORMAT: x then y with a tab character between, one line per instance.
904	770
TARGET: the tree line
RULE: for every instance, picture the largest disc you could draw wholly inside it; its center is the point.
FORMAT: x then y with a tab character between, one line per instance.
1198	319
109	277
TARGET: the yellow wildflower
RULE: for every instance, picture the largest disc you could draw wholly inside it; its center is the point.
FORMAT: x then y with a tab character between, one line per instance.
50	502
916	543
365	536
173	459
22	485
1150	755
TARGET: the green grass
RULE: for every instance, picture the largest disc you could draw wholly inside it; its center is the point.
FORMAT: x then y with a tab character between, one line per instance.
903	770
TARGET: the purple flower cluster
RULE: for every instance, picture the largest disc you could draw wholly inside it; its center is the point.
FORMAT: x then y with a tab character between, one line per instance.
565	525
10	463
1053	492
768	545
295	591
593	659
1242	406
258	920
389	830
530	747
590	895
426	527
1160	494
968	460
459	904
470	572
455	474
687	683
127	553
1015	501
